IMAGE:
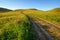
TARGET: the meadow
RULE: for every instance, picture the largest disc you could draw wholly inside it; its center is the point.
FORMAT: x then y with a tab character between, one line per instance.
15	26
51	16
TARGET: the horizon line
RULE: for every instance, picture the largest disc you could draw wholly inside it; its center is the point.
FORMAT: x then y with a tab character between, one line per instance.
29	8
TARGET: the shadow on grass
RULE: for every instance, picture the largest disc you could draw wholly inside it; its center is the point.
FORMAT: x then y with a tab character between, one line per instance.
27	34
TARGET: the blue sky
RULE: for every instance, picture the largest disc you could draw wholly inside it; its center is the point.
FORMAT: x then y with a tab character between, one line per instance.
38	4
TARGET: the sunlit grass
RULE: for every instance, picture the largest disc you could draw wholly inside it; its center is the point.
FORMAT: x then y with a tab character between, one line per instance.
53	17
15	26
50	16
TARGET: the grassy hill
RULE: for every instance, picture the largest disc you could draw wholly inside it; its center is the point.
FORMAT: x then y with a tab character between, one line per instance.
4	9
50	16
53	17
54	10
14	25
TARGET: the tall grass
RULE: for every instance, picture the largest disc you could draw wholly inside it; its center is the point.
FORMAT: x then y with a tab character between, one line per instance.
53	17
15	26
50	16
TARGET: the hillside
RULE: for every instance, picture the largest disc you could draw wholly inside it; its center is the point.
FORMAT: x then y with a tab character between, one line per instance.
15	25
54	10
50	16
4	9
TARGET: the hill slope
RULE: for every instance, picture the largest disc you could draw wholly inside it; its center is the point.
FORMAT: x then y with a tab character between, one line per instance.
53	15
4	10
55	10
15	26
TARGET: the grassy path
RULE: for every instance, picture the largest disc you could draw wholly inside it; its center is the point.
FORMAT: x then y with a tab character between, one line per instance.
42	34
53	30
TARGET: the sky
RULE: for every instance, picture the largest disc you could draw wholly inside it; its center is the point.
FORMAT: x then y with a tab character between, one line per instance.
24	4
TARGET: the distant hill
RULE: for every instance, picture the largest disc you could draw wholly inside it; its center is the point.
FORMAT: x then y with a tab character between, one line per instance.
54	10
4	9
29	9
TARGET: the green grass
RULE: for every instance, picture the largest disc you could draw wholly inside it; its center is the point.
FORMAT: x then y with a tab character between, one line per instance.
50	16
15	26
53	17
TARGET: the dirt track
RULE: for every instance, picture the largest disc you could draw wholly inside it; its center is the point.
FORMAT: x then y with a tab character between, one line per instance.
52	24
42	34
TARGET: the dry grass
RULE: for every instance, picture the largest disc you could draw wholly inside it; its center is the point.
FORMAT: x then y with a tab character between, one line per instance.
15	26
53	17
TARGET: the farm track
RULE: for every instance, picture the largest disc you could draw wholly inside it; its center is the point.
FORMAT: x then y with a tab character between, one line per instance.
54	25
42	34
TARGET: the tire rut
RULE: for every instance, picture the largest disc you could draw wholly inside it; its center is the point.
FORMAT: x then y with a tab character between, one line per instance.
41	33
